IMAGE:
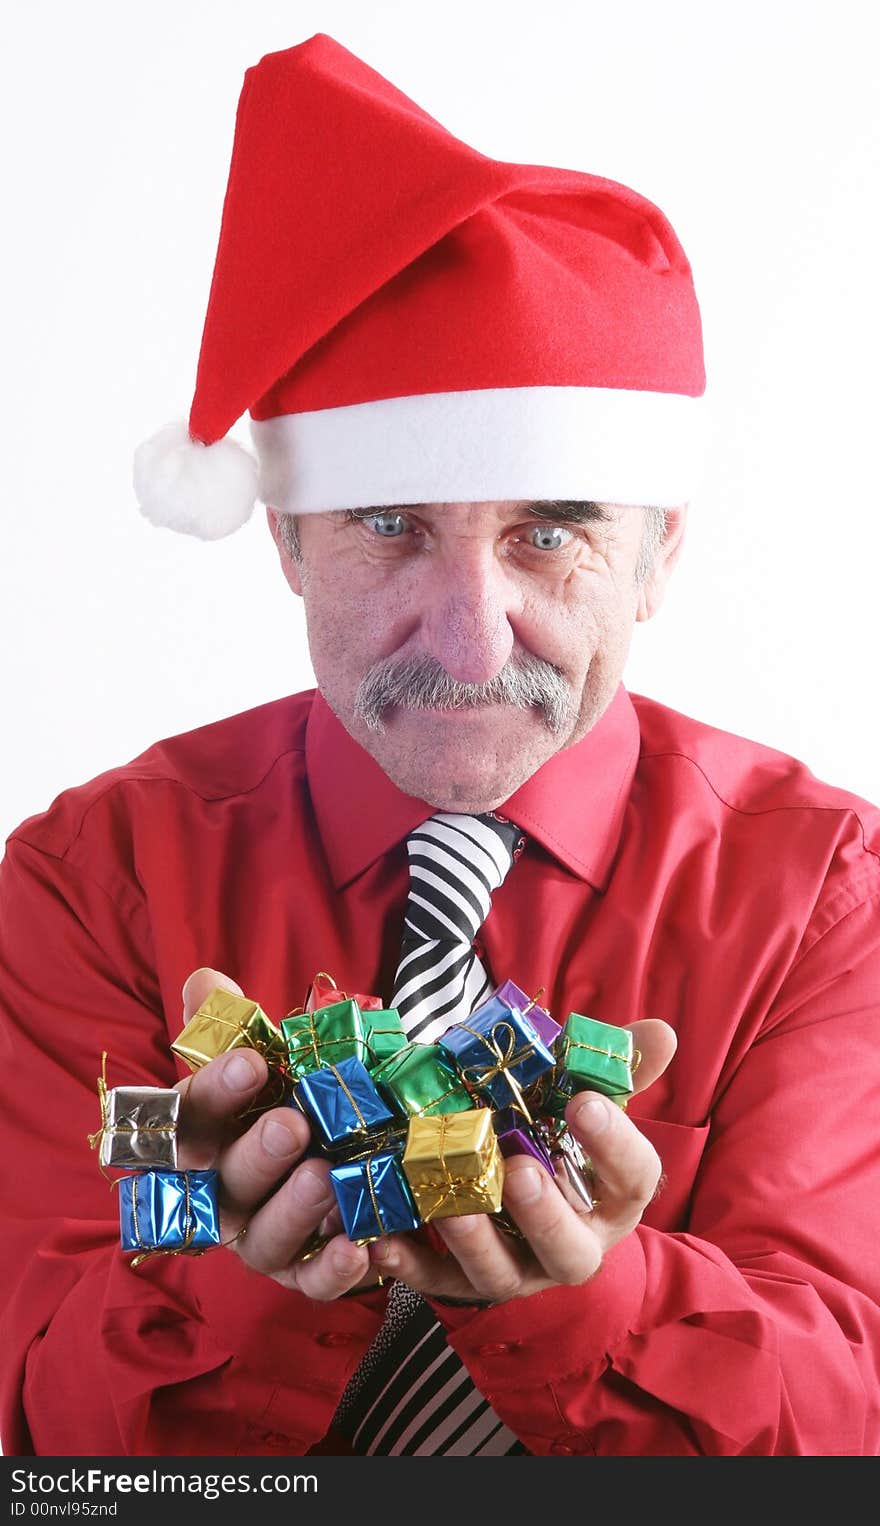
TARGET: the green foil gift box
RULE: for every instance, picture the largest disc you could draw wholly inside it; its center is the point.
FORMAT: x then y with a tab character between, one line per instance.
591	1056
419	1082
324	1037
383	1034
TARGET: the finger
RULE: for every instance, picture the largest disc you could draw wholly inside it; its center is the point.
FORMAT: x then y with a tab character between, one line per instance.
483	1263
213	1099
561	1239
656	1043
198	986
491	1262
412	1261
624	1162
339	1267
254	1163
281	1226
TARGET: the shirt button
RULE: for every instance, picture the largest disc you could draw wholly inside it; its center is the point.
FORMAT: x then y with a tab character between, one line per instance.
333	1338
498	1348
562	1449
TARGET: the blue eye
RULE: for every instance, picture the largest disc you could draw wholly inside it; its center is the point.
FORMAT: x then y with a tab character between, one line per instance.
389	524
548	537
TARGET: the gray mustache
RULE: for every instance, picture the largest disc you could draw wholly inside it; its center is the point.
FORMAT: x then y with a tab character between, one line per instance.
421	683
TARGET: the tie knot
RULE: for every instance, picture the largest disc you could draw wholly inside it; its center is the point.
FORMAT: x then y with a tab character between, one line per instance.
456	862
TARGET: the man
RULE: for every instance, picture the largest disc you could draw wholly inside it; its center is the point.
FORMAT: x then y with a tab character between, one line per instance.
473	387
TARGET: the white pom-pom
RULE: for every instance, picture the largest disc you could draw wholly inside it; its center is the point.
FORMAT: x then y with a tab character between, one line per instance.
204	490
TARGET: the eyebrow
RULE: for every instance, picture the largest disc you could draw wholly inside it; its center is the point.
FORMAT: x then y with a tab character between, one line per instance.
567	511
571	512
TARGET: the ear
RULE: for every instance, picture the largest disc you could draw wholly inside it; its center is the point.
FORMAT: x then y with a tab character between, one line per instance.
289	566
654	587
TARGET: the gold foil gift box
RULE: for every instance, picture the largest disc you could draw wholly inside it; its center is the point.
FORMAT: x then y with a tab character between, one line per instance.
225	1021
453	1164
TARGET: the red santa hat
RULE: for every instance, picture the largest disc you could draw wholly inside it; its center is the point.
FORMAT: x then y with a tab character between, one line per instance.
408	321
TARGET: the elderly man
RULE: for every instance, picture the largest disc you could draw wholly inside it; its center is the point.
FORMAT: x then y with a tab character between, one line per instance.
473	387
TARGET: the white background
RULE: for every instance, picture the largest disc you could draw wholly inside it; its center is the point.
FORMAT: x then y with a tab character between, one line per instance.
754	127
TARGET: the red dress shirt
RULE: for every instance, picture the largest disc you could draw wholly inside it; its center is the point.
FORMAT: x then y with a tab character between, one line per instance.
672	870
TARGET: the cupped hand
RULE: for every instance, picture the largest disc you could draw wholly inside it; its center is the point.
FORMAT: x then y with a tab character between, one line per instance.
560	1244
271	1201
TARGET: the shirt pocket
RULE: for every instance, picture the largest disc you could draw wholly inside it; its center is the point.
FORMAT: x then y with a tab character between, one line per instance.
680	1147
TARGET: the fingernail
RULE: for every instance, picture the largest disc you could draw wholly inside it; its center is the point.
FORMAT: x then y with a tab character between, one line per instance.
524	1186
311	1187
278	1139
347	1260
592	1115
238	1073
384	1251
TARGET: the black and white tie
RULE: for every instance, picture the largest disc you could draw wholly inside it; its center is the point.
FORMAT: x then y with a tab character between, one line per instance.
411	1394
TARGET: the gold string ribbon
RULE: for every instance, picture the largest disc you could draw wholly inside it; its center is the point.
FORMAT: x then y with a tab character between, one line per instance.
189	1227
377	1210
265	1047
362	1122
109	1129
450	1184
481	1075
95	1139
313	1045
393	1062
610	1054
381	1033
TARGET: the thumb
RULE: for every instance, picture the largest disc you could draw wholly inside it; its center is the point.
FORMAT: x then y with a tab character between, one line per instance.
198	986
656	1043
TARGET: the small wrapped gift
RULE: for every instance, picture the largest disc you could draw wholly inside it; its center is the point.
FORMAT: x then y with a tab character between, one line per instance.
517	1136
591	1056
513	996
454	1165
343	1104
225	1021
571	1167
138	1125
169	1210
324	992
418	1081
323	1037
383	1034
139	1130
498	1052
373	1196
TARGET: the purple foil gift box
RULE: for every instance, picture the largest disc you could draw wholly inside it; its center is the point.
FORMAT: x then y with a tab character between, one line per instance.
516	1137
539	1018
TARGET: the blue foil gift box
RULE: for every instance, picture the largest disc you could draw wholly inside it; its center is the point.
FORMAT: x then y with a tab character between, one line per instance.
342	1103
498	1052
374	1196
169	1210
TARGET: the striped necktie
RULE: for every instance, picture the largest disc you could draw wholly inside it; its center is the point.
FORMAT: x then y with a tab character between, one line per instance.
411	1394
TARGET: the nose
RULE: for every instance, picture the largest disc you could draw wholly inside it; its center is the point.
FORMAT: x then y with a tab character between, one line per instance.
466	614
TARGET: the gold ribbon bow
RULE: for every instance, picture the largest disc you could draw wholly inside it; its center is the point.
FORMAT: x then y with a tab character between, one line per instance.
480	1075
450	1184
95	1139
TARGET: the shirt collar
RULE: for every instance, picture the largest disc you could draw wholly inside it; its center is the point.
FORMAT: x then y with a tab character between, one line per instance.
573	806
